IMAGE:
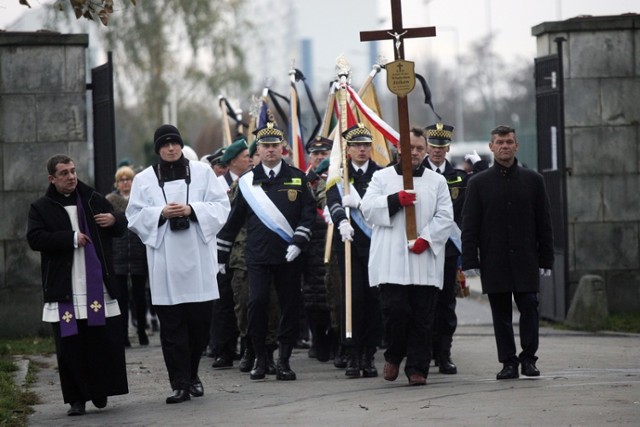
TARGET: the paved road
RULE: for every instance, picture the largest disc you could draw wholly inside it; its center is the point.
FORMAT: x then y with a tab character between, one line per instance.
587	380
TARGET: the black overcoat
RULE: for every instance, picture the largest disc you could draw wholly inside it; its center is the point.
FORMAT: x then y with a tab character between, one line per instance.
49	232
506	229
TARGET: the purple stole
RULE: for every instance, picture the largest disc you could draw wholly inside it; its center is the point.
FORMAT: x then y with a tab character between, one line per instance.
95	293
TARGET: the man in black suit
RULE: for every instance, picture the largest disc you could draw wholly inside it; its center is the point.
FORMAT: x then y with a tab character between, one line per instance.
507	238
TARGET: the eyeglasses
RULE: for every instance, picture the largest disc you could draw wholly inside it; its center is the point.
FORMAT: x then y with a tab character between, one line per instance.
125	180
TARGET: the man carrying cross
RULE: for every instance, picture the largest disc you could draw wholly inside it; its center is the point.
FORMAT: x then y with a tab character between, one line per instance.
409	272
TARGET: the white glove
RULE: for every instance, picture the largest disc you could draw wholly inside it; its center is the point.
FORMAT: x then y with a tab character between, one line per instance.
472	272
346	231
222	269
473	157
350	201
292	252
327	215
545	272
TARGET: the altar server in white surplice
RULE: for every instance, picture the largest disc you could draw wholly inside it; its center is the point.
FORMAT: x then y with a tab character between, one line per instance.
409	273
177	207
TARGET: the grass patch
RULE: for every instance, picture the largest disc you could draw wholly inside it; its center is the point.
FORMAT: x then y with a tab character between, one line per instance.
620	322
15	402
626	322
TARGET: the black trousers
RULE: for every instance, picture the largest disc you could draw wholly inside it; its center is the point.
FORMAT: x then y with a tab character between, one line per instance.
502	313
223	334
91	364
139	295
366	315
286	278
446	320
184	335
408	312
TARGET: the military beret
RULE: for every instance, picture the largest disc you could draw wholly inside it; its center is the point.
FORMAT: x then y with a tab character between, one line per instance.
234	150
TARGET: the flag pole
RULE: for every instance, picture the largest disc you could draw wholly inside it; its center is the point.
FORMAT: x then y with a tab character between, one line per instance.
343	95
331	100
226	129
375	69
293	119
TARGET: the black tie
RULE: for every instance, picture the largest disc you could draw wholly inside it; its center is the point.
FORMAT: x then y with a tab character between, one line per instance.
359	172
439	171
272	174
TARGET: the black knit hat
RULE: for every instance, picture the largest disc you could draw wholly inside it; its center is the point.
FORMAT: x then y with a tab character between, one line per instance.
165	134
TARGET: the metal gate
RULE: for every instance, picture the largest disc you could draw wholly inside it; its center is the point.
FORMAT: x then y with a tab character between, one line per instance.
552	165
104	135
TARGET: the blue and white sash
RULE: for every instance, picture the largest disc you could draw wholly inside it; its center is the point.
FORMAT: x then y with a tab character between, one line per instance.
264	208
356	215
456	237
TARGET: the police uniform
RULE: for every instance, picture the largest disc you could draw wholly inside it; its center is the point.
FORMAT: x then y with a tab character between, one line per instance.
365	304
446	321
266	251
314	291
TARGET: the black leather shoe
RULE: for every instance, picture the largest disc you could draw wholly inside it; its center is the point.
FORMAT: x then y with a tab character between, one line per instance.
508	372
246	363
340	361
446	366
259	370
77	408
179	396
353	366
100	402
529	369
271	364
368	366
143	339
284	372
221	362
196	389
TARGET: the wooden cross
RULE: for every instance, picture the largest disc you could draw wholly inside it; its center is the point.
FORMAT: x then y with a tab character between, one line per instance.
398	33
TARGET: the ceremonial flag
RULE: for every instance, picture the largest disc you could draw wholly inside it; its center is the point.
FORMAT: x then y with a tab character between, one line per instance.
334	174
295	132
379	148
377	123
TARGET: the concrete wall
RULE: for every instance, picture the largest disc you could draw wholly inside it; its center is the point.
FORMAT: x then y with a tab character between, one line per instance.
602	117
42	112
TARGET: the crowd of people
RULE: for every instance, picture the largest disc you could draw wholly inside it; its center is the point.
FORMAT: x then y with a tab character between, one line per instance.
241	249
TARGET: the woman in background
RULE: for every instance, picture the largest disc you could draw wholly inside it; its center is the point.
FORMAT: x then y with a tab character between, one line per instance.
130	261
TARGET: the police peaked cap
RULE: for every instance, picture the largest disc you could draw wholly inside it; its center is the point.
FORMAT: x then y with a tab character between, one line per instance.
357	134
269	134
439	135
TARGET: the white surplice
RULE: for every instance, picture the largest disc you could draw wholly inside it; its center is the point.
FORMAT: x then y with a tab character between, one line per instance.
182	264
390	260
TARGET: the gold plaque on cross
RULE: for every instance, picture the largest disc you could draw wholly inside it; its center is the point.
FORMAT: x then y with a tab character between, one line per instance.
401	77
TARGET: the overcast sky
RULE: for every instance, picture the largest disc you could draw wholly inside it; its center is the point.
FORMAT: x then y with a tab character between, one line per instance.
509	20
458	22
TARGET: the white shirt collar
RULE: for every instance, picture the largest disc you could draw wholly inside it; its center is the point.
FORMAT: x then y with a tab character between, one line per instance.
435	168
276	169
364	167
